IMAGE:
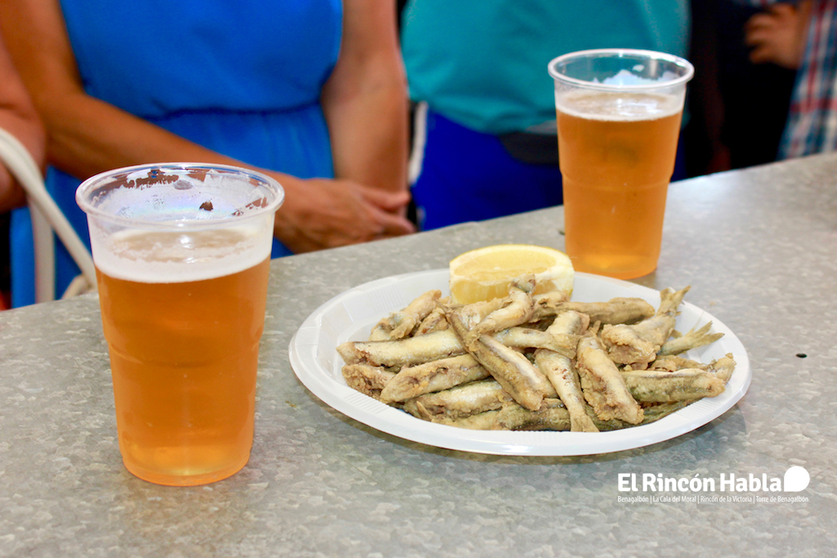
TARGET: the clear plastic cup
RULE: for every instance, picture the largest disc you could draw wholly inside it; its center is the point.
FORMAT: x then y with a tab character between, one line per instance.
619	114
182	254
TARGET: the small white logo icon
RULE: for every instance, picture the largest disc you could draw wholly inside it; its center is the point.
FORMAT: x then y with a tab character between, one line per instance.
796	479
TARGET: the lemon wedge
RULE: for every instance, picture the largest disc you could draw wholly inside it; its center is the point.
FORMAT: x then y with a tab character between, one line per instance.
486	273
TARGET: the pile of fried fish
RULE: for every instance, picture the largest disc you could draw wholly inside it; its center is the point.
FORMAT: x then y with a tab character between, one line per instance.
535	361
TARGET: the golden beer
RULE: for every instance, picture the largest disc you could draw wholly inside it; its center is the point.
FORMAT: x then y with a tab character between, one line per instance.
617	153
182	256
618	118
184	352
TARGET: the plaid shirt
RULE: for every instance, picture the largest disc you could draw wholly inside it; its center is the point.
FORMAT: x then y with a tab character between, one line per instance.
812	117
812	120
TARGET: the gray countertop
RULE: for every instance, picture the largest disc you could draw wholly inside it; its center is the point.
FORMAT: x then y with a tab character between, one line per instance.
758	247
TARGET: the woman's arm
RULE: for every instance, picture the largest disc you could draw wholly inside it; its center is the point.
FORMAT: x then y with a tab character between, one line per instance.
18	117
365	105
365	100
86	135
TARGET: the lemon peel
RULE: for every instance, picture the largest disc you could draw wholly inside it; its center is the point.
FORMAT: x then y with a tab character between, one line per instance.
485	273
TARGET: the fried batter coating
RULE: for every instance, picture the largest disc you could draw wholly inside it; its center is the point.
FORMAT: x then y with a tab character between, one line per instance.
527	338
369	380
561	372
651	413
638	344
436	375
659	386
461	401
518	376
602	383
616	311
514	417
435	321
525	383
517	309
399	325
412	350
723	367
675	362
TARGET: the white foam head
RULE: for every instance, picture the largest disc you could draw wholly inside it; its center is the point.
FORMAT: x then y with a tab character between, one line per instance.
177	222
617	106
176	257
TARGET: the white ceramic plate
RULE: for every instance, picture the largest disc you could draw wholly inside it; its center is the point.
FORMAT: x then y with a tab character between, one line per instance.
351	315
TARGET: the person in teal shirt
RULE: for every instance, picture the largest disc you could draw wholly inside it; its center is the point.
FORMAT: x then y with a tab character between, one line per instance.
485	140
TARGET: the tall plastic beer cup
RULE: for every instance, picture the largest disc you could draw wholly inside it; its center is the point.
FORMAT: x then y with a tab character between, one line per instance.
182	254
619	114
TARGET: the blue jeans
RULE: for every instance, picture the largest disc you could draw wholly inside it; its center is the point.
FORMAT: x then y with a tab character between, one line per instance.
470	176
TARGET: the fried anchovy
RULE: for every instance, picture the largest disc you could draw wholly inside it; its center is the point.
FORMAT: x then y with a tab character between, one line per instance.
399	325
625	346
547	304
435	321
675	362
615	311
691	340
469	315
561	373
602	383
519	377
638	344
436	375
516	310
461	401
651	413
369	380
723	367
527	338
563	376
658	386
552	416
412	350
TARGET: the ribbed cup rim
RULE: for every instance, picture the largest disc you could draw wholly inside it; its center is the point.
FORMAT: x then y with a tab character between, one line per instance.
96	181
689	70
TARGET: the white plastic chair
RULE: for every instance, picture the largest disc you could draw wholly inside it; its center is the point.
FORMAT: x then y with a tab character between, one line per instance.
47	218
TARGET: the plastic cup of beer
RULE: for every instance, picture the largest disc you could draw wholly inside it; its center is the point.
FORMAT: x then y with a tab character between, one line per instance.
182	254
619	114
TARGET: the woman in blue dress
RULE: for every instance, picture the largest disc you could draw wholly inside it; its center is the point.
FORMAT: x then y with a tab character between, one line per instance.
312	93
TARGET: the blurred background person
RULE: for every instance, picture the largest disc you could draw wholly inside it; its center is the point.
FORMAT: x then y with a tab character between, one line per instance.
17	117
766	79
485	140
741	105
802	37
311	93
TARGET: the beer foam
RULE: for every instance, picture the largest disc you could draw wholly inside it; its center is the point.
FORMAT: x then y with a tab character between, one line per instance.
180	198
627	77
180	256
628	106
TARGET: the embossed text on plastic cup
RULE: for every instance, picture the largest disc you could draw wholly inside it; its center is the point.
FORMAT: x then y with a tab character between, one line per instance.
182	254
619	114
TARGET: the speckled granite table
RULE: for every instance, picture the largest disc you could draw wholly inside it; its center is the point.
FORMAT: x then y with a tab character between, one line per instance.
759	248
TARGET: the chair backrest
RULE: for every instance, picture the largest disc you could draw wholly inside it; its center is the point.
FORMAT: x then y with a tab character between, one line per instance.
47	218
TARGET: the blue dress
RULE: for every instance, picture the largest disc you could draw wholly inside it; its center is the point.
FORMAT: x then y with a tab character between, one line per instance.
240	78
